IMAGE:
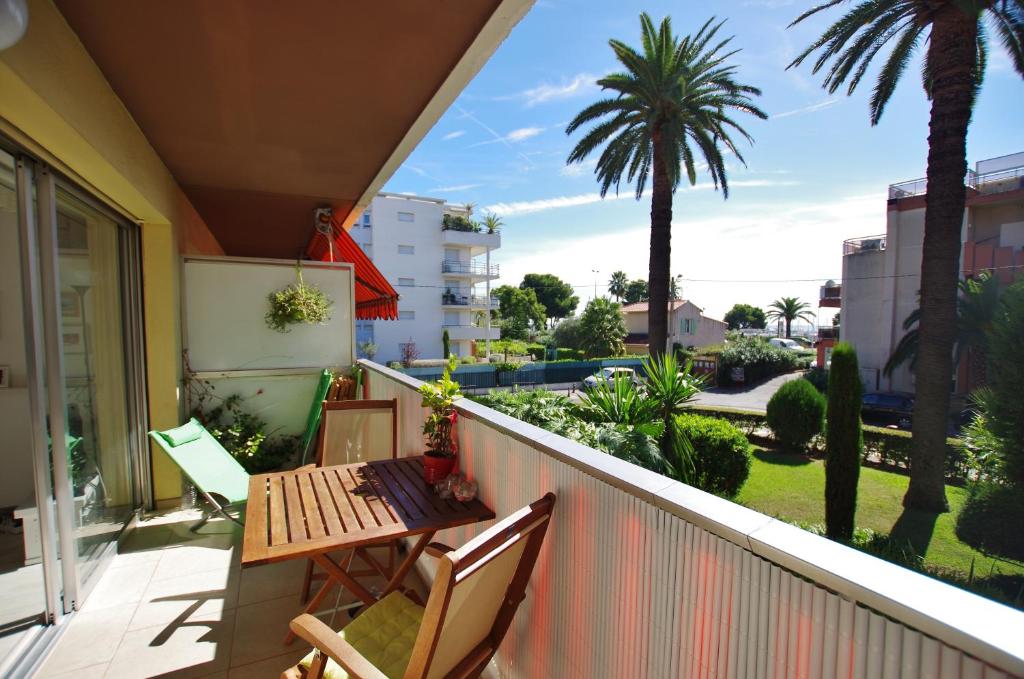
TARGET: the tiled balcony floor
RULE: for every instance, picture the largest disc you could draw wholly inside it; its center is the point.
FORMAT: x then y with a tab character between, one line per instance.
177	604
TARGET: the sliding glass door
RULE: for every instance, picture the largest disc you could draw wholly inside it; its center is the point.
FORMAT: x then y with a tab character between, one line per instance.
72	404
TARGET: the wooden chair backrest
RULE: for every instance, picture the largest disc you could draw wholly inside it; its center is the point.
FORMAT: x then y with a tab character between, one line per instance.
475	595
357	431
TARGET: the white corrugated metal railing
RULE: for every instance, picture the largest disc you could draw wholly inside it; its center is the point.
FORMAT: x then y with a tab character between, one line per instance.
641	576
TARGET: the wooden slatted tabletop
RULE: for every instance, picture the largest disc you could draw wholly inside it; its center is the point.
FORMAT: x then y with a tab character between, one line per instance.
313	510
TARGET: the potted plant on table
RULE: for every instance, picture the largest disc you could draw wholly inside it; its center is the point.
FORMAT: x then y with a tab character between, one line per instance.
439	429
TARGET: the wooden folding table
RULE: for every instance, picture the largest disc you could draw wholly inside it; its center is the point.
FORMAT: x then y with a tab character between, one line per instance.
312	511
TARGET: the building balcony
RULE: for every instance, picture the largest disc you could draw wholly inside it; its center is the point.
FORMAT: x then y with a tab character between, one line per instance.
828	332
856	246
476	242
468	269
472	332
830	295
987	183
640	576
464	298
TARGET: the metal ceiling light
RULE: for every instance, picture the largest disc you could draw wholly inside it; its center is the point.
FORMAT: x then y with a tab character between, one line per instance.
13	22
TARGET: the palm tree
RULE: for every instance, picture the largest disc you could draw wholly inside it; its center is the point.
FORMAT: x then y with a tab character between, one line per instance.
492	222
671	110
977	306
956	50
789	309
617	285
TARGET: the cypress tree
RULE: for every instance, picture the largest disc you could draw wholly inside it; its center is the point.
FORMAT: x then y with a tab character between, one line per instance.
446	344
843	443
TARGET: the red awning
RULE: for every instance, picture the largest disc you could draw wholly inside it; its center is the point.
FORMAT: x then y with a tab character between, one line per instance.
375	298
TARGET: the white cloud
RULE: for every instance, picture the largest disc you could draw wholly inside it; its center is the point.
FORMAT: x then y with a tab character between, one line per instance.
523	207
514	137
454	189
453	135
754	255
582	83
578	169
807	109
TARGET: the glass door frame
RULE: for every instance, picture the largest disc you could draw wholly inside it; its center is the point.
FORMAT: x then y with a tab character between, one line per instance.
37	185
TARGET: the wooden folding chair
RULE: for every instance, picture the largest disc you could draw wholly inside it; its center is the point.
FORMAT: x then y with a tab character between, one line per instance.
350	432
472	602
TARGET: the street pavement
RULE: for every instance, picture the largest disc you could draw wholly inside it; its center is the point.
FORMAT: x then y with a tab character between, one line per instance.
745	398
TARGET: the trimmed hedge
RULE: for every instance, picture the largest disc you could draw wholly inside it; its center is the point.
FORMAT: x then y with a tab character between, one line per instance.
796	414
887	448
758	359
991	518
721	454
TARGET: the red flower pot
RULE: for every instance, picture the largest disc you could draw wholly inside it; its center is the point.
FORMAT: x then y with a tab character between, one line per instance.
436	469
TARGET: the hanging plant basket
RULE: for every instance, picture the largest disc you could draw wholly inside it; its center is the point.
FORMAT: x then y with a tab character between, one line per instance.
297	303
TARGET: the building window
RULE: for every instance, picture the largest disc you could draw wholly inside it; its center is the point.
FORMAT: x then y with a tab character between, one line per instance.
406	315
406	217
406	250
366	219
406	282
688	326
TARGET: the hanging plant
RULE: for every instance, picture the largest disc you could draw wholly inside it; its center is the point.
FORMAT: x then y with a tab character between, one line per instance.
297	303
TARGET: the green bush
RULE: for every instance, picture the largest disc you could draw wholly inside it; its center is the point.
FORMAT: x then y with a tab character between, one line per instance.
537	352
511	347
819	378
758	359
796	414
721	454
1004	405
843	442
568	354
991	520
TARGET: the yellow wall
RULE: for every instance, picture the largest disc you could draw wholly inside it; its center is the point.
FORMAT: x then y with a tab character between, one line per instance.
55	101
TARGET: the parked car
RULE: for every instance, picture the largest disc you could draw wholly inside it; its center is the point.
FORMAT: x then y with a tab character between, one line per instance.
785	343
607	375
887	408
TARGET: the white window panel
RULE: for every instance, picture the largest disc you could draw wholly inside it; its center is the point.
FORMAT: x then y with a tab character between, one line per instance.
406	282
407	315
406	217
407	249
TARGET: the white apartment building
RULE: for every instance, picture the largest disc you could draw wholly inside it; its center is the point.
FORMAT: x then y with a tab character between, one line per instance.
881	274
442	273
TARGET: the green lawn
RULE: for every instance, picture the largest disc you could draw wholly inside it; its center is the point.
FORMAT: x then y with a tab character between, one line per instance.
792	487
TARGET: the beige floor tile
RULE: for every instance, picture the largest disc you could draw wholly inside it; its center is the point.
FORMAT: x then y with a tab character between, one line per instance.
260	629
270	668
210	595
90	672
92	638
120	586
193	649
273	581
210	553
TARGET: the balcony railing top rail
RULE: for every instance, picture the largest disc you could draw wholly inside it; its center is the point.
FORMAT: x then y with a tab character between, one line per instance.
648	577
457	266
866	244
987	183
463	298
830	292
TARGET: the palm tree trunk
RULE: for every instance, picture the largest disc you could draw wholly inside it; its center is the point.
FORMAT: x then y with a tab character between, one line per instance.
789	325
661	252
952	55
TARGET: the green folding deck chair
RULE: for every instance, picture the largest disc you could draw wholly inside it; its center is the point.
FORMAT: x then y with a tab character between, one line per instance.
210	468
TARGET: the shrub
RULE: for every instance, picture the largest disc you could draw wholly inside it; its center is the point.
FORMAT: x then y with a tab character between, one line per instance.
1004	405
758	359
446	344
568	354
395	365
991	518
796	413
511	347
721	453
537	352
819	378
567	334
602	328
843	442
467	360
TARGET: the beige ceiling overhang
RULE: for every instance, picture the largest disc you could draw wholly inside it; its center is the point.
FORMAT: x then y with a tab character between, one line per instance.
263	110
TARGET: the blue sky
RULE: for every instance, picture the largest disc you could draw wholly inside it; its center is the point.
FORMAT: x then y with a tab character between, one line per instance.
816	174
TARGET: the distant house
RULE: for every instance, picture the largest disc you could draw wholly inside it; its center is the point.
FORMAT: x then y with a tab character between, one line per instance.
687	326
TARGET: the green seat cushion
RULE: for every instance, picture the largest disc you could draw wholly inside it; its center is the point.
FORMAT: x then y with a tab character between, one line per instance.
384	634
186	433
